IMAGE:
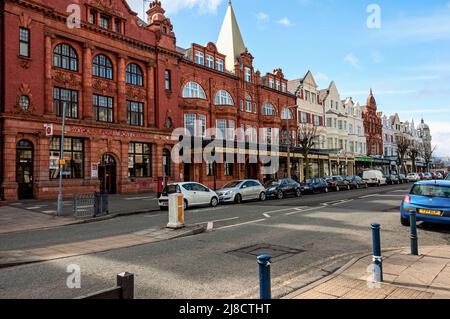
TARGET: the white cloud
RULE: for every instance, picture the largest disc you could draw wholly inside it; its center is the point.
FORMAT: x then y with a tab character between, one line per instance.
285	21
440	131
352	60
262	16
322	77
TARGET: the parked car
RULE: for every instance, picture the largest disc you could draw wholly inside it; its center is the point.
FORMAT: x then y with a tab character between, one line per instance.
437	175
238	191
392	179
374	178
422	176
195	194
283	187
337	183
356	182
403	179
428	176
448	177
413	177
429	200
315	185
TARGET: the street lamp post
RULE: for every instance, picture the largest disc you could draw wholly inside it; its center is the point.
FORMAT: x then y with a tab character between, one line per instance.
61	163
289	139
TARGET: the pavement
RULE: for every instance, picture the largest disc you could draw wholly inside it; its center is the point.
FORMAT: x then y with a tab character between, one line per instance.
405	276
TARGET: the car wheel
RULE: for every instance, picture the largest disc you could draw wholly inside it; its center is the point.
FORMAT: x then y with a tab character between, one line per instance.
238	199
298	193
185	205
262	196
214	202
404	221
280	195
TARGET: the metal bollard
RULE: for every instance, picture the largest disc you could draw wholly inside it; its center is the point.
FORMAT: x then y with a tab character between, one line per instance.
413	234
264	276
377	259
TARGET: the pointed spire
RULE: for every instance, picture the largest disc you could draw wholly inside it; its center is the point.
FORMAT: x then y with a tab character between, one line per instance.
230	40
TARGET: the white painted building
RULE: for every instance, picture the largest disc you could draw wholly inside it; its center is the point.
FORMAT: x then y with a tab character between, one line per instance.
357	138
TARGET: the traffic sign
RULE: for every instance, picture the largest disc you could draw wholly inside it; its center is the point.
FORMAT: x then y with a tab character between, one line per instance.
48	130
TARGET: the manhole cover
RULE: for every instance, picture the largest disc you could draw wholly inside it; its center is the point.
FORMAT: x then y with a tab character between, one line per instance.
278	253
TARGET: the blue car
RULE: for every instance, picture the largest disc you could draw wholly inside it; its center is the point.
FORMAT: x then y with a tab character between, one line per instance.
315	185
430	200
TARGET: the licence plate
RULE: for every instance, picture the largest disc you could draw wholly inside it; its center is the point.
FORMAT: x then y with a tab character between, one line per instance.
164	203
430	212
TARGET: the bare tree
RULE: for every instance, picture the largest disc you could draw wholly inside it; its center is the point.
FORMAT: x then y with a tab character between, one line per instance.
414	153
307	137
403	145
427	151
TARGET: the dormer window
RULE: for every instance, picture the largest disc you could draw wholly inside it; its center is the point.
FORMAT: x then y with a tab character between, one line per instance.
248	75
104	22
219	65
283	87
271	83
199	58
117	25
278	85
210	61
164	29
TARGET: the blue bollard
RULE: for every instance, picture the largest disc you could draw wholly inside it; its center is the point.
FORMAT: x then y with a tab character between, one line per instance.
413	234
264	276
377	259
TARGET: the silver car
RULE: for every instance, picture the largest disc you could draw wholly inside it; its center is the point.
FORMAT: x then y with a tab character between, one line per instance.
239	191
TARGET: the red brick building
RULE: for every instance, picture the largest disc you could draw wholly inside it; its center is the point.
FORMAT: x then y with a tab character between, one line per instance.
373	127
125	86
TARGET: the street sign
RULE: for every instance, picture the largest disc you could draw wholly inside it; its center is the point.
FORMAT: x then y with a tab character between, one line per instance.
48	130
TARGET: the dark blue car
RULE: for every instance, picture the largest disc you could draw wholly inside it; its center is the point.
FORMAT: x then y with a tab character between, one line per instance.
430	200
315	185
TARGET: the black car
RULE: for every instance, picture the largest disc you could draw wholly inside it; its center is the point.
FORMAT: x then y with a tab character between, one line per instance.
337	183
282	188
315	185
392	179
356	182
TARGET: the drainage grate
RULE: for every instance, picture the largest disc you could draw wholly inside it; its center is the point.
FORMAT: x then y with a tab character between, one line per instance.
278	253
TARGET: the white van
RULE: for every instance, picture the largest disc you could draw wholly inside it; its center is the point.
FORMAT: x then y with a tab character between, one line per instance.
374	178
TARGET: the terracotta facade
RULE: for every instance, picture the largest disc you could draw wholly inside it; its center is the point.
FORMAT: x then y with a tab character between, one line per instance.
109	29
373	127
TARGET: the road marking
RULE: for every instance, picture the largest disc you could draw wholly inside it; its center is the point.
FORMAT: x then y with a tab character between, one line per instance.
210	226
35	207
367	196
343	202
49	211
224	220
283	210
241	224
142	197
150	199
267	215
302	211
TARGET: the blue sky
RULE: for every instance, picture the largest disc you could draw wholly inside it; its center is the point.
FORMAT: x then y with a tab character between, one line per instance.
406	61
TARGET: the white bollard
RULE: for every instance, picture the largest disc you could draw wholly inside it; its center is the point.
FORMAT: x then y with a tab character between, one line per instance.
176	211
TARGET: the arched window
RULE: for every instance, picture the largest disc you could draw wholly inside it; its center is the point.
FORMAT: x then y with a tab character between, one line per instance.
65	57
223	98
268	110
134	75
102	67
193	90
286	114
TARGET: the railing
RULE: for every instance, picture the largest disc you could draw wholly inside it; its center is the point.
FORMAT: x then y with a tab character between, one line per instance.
123	290
90	205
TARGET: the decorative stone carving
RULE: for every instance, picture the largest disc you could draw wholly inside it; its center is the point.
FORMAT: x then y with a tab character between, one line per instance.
25	64
24	90
107	5
66	79
102	86
135	94
25	20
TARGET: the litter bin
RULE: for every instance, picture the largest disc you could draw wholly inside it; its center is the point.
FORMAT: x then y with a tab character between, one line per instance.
161	184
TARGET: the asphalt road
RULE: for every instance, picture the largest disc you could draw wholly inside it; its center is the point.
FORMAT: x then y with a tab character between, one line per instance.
321	233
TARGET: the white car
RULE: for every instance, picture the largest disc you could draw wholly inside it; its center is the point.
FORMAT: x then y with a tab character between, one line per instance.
413	177
374	177
195	194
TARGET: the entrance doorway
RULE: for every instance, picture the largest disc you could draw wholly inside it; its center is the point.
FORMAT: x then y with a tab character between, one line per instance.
107	174
251	170
24	169
187	172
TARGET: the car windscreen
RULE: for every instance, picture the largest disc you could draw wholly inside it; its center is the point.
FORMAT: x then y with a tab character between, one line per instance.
272	183
431	191
232	184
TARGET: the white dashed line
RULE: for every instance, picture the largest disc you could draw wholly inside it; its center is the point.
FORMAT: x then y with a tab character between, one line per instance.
367	196
241	224
142	197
